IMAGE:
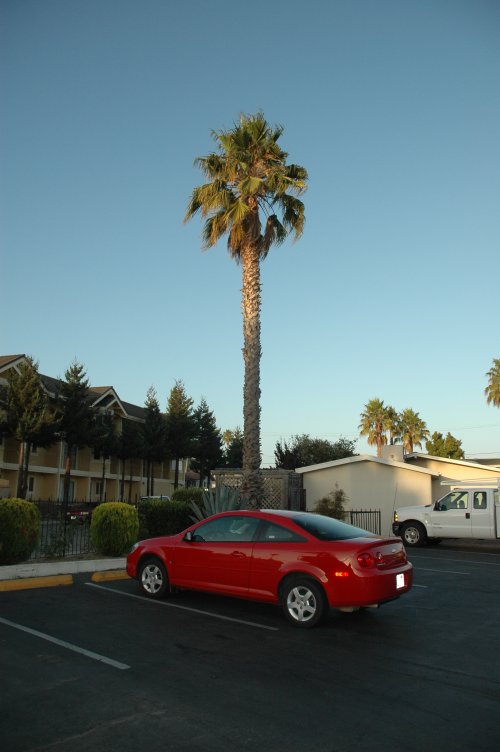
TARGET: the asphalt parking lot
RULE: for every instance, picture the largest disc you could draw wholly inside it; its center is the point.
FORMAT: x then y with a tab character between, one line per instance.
96	666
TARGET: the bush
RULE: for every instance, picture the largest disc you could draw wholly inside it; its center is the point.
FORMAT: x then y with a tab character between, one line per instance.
19	530
225	499
162	517
332	505
114	528
192	493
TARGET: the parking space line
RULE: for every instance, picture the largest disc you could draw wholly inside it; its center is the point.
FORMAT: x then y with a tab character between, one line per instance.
67	645
442	571
183	608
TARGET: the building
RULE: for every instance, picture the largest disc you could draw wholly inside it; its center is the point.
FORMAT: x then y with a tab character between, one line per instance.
373	483
92	477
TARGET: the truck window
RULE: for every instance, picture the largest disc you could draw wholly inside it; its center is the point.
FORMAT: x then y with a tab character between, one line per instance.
480	500
453	500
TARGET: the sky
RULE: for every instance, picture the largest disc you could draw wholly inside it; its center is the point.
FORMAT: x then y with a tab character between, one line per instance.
392	106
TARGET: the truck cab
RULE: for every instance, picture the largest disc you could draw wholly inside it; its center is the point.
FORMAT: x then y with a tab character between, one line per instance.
469	510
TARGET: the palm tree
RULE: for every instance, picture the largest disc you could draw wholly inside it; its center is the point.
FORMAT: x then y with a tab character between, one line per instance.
393	424
248	178
413	429
492	391
374	423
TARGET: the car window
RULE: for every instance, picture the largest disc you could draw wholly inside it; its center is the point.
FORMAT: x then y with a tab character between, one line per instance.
480	500
276	534
238	529
328	528
453	500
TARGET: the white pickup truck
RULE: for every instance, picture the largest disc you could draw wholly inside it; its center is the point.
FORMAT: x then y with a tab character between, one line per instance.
471	509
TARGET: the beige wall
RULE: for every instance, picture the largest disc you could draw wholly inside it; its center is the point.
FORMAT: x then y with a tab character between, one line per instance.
449	471
370	485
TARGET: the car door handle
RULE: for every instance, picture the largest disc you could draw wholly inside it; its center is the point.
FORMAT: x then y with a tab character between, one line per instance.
467	515
239	555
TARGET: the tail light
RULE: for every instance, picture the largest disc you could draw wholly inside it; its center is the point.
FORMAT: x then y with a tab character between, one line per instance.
388	557
366	560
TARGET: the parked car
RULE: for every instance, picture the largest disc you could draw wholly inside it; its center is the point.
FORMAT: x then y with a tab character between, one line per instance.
307	562
81	513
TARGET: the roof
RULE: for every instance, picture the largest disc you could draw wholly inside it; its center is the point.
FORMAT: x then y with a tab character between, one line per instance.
99	396
363	458
416	456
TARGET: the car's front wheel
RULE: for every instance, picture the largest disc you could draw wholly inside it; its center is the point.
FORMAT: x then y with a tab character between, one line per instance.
413	534
153	578
303	602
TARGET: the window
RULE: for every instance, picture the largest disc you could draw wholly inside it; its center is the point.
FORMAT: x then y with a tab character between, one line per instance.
453	500
98	487
277	534
31	484
328	528
229	529
480	500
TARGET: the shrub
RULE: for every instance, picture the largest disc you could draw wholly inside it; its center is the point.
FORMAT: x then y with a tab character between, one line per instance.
19	530
332	505
162	517
114	528
224	499
192	493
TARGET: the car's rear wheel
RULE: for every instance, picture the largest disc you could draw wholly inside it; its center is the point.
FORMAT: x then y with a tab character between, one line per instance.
413	534
303	602
153	578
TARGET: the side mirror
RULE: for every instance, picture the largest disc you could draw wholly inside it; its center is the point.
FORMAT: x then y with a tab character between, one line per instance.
189	536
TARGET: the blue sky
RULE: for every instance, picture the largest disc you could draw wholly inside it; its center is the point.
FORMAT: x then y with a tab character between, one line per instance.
393	106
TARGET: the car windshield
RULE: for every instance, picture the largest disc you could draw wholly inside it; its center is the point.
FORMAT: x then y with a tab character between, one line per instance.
328	528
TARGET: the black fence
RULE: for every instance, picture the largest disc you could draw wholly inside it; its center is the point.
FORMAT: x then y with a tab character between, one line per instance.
64	530
367	520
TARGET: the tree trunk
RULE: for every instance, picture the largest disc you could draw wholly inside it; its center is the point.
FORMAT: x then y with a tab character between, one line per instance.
27	455
67	477
20	472
252	486
102	478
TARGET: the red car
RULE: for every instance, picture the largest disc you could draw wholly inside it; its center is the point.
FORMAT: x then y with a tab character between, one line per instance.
307	562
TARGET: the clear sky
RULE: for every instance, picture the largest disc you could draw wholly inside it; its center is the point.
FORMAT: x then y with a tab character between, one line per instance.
393	107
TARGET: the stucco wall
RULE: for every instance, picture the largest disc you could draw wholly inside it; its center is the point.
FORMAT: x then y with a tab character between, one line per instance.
449	471
370	485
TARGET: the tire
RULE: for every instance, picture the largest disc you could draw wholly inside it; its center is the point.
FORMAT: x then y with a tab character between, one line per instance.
153	578
303	602
413	534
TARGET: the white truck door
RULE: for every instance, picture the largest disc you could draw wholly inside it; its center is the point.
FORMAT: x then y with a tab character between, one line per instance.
451	517
482	515
496	501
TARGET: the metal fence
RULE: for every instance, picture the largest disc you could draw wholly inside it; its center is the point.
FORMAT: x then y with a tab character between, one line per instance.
366	519
62	531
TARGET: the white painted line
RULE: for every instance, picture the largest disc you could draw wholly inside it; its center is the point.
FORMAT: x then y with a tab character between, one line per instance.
67	645
183	608
442	571
463	561
422	586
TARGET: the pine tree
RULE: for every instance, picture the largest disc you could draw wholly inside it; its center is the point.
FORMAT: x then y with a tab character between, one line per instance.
154	438
207	445
180	426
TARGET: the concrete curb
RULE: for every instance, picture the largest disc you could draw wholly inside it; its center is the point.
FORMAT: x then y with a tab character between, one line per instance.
54	568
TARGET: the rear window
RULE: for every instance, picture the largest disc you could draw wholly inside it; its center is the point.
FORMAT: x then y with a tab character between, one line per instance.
328	529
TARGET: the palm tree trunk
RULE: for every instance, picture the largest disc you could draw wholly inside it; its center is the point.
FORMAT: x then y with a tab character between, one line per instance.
252	486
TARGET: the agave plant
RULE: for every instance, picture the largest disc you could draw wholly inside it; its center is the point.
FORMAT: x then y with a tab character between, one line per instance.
224	499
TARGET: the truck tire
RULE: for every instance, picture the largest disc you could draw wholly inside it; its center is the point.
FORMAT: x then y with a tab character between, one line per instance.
413	534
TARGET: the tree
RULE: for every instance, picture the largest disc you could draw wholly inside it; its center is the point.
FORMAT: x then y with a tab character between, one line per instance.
445	447
233	448
77	417
373	423
413	430
154	439
248	179
492	391
105	442
393	424
207	444
129	447
302	451
180	426
27	415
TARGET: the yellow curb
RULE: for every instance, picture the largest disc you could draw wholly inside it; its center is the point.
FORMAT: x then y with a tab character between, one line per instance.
27	583
115	574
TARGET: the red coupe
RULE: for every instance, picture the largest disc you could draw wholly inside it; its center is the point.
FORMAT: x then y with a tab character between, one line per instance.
305	561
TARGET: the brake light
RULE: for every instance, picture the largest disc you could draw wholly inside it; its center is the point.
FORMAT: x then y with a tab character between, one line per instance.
366	560
341	574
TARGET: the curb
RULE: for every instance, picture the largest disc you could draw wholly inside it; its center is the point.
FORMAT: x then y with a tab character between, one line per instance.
53	574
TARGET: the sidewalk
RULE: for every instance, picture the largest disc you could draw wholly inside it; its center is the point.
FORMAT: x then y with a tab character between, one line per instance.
53	573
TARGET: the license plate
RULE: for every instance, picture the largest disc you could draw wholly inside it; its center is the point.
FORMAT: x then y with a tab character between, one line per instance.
400	581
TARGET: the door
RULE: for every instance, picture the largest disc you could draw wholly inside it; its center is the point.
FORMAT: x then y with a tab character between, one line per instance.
451	516
481	515
218	557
